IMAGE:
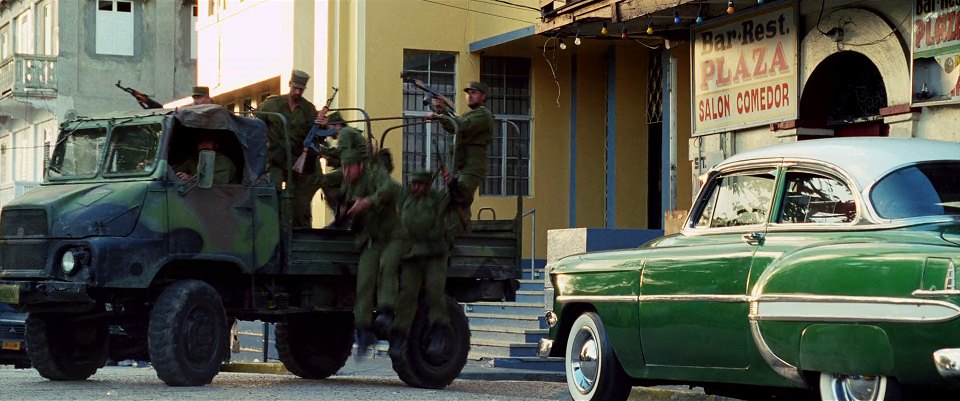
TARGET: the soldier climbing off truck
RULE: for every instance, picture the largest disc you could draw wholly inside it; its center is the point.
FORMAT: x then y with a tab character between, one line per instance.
113	238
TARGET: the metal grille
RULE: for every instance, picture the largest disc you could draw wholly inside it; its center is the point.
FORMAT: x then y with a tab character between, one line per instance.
424	146
12	331
508	156
655	87
23	223
23	256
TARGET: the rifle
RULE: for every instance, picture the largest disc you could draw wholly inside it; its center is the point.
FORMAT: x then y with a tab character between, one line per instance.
144	100
315	131
408	78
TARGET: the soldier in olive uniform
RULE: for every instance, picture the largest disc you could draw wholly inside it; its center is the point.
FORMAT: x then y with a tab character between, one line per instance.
347	138
224	172
300	115
474	133
372	195
425	228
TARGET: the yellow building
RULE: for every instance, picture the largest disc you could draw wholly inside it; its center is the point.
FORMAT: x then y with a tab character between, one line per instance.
572	128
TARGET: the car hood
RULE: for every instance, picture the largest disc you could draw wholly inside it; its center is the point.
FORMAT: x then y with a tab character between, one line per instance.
83	210
600	261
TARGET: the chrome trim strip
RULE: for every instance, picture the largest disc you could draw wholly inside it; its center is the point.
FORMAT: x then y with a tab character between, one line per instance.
934	293
838	308
597	298
693	298
778	365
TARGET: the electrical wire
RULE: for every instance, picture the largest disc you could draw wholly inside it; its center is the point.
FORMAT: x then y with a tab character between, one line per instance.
553	70
507	4
478	12
517	5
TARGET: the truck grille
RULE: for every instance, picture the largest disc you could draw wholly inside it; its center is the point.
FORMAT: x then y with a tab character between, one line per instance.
23	223
12	331
20	256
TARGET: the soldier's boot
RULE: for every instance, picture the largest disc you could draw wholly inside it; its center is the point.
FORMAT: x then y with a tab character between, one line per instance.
398	344
364	339
438	342
384	322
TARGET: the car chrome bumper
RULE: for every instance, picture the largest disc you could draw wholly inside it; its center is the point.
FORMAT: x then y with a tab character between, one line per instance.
544	347
948	362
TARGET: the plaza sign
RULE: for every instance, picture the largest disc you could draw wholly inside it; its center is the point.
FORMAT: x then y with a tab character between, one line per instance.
935	47
744	70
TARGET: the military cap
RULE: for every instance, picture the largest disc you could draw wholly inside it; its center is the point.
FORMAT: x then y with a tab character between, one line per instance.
421	176
298	79
480	86
200	91
352	156
335	118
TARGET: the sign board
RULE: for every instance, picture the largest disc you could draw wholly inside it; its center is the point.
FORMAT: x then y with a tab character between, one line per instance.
935	45
744	69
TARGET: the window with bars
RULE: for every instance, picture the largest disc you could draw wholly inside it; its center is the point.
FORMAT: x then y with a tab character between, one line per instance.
3	163
425	145
508	157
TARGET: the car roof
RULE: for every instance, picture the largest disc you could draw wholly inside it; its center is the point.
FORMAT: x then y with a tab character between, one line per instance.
865	159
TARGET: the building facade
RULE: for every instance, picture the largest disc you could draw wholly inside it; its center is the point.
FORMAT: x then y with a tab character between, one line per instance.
60	59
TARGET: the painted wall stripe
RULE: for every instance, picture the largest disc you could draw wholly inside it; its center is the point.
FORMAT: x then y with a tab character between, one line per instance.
610	218
573	142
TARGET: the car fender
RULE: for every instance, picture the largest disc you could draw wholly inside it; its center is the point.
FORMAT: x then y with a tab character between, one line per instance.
846	348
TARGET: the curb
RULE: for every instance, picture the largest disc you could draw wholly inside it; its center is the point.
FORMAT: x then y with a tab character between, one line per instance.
514	376
269	368
668	394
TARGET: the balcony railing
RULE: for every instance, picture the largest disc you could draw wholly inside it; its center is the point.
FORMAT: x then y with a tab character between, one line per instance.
28	75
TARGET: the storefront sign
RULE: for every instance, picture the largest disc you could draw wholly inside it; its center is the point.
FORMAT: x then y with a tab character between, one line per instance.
936	51
745	70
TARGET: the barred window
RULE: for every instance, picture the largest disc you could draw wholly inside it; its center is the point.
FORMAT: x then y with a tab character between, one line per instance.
508	171
426	145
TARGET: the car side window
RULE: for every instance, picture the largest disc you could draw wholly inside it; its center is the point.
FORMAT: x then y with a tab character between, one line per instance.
738	200
815	198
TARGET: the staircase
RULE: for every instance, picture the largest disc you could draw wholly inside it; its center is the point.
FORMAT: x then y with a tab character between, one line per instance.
507	333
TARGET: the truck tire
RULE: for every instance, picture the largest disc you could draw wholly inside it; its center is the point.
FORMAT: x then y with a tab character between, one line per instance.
61	348
315	346
416	368
188	334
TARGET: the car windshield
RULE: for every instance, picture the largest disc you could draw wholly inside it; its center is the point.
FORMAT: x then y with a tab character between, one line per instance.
77	154
927	189
133	149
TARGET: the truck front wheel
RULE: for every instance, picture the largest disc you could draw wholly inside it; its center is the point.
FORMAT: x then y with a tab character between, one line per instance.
315	346
188	334
416	367
65	347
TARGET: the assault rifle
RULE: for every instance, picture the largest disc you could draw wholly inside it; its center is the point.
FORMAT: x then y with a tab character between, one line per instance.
309	144
408	78
144	100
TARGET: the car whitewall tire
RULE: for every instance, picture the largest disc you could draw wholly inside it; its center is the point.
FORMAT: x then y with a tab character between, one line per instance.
842	387
593	371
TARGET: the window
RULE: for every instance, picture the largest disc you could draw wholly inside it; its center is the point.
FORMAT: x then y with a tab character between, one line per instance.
5	42
4	158
133	149
115	27
193	33
48	31
211	7
25	37
738	200
927	189
508	171
426	145
813	198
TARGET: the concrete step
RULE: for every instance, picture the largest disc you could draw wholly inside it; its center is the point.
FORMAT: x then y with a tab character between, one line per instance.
509	308
531	285
525	274
531	322
530	297
511	334
501	349
552	364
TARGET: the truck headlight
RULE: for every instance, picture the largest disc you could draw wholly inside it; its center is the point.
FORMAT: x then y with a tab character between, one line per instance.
68	262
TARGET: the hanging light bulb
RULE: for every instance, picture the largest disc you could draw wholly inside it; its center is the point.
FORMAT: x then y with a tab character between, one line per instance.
576	40
563	46
650	29
623	33
603	31
700	16
730	9
676	17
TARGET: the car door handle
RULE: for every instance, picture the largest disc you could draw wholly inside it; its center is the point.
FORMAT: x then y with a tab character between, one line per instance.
753	238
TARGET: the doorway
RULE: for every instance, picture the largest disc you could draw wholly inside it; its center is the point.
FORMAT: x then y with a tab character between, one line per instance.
844	94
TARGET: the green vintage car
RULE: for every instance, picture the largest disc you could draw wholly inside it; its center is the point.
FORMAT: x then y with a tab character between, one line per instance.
822	266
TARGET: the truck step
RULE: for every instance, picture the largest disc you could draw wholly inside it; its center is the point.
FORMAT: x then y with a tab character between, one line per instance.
510	308
503	320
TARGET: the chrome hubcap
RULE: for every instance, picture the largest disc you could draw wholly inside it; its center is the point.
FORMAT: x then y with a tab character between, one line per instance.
585	360
856	388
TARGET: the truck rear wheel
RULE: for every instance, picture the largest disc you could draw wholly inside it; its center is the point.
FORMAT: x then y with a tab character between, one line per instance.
315	346
61	348
188	334
414	365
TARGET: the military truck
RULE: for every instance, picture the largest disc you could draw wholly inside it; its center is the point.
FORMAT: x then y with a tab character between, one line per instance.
114	256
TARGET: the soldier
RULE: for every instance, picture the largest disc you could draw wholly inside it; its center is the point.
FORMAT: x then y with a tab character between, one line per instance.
425	228
224	172
300	115
347	138
474	136
372	195
201	95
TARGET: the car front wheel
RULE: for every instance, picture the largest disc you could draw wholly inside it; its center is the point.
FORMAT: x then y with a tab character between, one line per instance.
842	387
593	370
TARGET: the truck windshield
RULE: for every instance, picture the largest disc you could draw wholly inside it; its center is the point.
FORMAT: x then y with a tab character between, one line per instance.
77	154
926	189
133	149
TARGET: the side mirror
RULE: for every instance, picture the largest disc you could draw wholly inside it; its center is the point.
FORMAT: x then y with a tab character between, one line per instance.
205	169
